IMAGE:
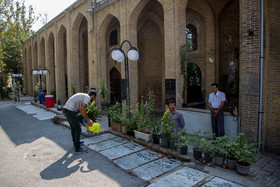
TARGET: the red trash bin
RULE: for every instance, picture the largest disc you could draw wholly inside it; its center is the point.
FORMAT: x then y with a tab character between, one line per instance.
49	101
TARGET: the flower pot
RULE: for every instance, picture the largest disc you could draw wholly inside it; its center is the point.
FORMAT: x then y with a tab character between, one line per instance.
184	150
231	164
142	136
219	161
197	154
164	142
207	157
116	126
242	168
172	144
155	139
124	129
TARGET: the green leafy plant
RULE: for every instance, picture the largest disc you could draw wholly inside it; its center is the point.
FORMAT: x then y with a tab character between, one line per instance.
91	111
144	109
114	112
35	93
245	151
207	146
182	139
53	92
166	125
184	60
73	87
103	90
155	125
194	139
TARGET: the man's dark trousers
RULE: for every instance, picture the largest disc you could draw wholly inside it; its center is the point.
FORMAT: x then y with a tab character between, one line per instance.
75	126
218	124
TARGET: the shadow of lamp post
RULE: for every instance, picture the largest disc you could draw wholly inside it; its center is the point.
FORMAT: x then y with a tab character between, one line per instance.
15	77
40	72
118	55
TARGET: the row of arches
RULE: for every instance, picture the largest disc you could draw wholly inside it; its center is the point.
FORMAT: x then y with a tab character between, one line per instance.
74	56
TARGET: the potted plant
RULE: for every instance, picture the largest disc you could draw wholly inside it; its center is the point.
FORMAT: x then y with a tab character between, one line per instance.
207	148
125	118
144	120
92	112
155	129
245	153
230	145
194	140
114	114
103	91
173	139
219	151
35	95
182	142
73	87
166	129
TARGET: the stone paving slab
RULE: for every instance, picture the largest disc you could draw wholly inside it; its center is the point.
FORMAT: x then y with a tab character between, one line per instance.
135	160
122	150
40	114
44	115
220	182
108	144
183	177
97	139
156	168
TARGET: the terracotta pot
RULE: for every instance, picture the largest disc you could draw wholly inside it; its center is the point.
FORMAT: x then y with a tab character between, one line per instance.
124	129
116	126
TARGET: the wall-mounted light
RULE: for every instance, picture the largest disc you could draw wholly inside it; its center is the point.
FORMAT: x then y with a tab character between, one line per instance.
210	60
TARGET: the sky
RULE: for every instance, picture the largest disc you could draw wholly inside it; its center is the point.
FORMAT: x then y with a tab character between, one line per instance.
50	7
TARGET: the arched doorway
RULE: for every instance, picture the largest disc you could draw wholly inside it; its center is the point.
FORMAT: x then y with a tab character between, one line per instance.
195	95
150	43
115	85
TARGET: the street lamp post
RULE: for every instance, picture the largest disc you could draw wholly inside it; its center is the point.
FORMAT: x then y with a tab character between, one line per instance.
118	55
17	75
40	72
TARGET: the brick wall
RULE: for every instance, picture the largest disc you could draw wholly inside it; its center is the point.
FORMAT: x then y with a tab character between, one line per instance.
249	67
272	77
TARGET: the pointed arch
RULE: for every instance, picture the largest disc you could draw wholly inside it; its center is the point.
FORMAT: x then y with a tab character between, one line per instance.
51	62
79	65
61	66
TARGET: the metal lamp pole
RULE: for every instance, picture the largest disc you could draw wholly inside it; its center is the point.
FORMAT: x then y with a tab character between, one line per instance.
118	55
40	72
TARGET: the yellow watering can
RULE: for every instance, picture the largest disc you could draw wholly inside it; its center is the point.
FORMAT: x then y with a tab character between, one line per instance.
95	127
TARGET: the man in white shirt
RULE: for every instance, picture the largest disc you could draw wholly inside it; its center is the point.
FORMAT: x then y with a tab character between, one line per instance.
78	102
216	103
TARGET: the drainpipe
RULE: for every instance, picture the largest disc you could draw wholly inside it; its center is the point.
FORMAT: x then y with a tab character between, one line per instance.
261	80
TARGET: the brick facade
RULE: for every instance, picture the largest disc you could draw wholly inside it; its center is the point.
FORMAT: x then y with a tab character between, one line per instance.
75	51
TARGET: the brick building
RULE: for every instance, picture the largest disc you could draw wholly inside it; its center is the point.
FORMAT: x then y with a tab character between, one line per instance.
223	40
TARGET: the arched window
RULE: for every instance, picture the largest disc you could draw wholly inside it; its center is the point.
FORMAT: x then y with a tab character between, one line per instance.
191	37
114	37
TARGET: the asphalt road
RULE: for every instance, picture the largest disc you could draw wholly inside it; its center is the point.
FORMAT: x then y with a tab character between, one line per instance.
40	153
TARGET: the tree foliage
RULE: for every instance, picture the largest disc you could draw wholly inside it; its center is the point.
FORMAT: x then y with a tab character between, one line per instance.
15	26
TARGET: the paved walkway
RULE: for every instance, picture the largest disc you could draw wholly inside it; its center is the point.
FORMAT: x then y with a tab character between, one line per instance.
150	165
